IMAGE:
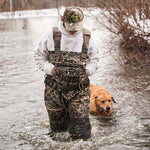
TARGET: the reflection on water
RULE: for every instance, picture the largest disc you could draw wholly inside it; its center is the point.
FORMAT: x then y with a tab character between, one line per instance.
24	120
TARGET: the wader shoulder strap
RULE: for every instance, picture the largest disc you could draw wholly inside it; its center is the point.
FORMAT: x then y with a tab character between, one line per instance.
86	37
57	39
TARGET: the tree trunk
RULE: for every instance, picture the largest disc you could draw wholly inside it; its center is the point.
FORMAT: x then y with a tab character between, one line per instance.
11	5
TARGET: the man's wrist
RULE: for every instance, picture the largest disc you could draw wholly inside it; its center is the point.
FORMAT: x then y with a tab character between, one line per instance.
87	72
53	71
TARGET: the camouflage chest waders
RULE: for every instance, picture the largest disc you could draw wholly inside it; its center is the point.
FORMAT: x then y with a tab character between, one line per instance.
67	92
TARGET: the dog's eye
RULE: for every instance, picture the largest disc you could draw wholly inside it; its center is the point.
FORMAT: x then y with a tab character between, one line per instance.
96	97
102	101
109	100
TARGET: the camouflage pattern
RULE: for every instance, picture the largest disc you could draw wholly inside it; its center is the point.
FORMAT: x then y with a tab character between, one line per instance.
73	14
69	58
69	68
67	92
68	109
72	19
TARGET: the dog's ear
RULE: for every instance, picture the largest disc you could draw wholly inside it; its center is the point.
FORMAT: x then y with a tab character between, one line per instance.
113	100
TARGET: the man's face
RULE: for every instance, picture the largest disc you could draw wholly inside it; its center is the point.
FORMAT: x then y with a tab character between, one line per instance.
72	32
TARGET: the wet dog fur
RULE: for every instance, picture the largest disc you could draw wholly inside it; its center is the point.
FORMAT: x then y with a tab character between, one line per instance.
101	101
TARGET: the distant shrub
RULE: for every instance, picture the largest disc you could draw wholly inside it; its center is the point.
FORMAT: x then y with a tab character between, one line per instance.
131	20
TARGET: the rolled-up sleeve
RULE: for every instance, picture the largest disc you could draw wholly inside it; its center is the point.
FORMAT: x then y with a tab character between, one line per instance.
92	66
46	43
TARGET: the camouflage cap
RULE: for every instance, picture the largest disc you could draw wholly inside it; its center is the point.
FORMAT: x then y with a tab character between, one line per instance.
73	19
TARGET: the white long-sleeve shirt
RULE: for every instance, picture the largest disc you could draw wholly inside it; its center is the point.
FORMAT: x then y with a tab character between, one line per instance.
68	42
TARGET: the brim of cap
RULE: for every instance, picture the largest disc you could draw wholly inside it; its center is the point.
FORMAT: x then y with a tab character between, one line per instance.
74	26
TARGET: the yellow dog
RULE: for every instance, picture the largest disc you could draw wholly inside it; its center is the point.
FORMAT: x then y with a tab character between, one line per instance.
101	101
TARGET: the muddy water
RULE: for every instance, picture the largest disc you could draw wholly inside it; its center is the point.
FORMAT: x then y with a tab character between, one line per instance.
23	117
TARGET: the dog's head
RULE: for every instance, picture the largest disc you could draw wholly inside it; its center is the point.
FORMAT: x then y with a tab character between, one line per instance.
104	103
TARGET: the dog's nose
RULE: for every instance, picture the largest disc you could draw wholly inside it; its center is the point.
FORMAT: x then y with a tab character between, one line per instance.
107	108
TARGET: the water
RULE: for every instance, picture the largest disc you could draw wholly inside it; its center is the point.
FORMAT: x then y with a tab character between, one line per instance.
24	121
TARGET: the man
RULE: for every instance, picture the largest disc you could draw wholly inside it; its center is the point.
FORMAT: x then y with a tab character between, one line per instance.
68	56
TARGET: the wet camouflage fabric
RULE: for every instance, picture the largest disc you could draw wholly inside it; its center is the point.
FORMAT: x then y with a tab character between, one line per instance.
70	68
67	92
68	110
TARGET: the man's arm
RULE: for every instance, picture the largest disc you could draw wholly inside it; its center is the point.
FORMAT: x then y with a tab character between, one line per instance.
92	66
40	56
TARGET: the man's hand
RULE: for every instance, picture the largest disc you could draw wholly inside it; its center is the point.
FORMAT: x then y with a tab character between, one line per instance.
54	71
86	72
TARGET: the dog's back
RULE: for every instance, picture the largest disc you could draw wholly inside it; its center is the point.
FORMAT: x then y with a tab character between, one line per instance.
95	88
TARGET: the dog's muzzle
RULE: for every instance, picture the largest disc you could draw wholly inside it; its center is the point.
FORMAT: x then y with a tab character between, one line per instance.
107	110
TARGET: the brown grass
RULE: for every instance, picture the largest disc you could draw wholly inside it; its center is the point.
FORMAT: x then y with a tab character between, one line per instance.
134	47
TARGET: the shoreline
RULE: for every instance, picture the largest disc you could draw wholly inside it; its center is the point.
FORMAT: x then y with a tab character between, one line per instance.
52	12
